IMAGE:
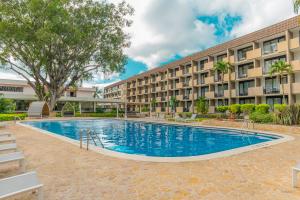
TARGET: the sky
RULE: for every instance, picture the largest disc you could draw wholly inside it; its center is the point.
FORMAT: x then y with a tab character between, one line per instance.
167	30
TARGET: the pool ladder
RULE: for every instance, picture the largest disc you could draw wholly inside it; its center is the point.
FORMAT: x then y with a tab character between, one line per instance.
90	135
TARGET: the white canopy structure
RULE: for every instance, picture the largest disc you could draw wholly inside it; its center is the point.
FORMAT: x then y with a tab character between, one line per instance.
38	109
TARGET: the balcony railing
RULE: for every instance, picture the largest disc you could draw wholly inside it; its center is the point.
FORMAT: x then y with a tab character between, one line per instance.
243	93
219	94
271	90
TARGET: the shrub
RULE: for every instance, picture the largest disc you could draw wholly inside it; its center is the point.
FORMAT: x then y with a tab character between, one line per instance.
185	114
247	108
7	105
222	109
235	109
11	117
262	108
202	106
145	109
259	117
295	113
110	114
280	107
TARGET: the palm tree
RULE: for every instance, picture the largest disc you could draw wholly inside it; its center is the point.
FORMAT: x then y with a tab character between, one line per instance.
98	93
153	104
173	102
280	68
224	68
296	6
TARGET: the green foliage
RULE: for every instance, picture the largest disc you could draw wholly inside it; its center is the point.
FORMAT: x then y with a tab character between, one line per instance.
67	40
235	109
222	109
145	109
7	105
11	117
262	108
109	114
296	6
247	108
173	103
202	105
258	117
185	114
287	115
222	67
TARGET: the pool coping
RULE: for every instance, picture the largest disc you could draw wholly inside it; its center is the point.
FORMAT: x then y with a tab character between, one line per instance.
221	154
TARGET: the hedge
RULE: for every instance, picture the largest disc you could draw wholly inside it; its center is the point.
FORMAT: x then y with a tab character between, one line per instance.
96	114
222	109
259	117
262	108
11	117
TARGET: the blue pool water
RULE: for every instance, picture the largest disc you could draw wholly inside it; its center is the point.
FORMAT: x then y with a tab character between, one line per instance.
153	139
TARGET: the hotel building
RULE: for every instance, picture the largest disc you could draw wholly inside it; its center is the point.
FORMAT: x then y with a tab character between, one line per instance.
192	77
23	95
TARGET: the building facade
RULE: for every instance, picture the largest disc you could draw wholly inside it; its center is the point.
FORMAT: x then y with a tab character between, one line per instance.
193	77
23	95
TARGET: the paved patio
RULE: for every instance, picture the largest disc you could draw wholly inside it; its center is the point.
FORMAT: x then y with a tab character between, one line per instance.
70	173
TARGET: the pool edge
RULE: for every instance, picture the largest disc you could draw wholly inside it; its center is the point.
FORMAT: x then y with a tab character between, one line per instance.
227	153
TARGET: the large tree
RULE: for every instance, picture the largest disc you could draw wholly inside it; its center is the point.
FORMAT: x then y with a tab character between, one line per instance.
55	44
296	6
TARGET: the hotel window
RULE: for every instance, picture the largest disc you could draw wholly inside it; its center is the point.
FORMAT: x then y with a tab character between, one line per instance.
272	85
243	70
11	89
269	62
247	101
221	57
271	45
201	64
244	86
275	100
243	52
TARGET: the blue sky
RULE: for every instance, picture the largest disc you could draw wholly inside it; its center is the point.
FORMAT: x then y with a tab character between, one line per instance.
222	29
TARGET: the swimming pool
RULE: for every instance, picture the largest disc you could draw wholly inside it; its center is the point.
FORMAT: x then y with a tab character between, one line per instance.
157	139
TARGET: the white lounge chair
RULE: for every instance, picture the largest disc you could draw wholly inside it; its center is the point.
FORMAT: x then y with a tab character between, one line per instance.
193	117
13	157
295	171
14	185
6	139
8	147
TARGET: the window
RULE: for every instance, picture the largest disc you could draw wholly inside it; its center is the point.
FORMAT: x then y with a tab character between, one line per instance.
247	101
11	89
269	62
201	64
221	57
243	52
271	45
271	86
203	90
243	70
243	87
275	100
202	78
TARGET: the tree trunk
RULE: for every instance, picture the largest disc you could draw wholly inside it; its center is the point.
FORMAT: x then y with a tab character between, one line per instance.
282	87
52	100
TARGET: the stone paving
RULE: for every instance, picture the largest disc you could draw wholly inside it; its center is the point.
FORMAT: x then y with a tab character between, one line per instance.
70	173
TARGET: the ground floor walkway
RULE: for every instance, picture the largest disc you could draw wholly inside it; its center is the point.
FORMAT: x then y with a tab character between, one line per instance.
70	173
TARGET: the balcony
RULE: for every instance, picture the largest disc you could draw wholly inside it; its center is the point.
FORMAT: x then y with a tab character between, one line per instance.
179	97
231	59
179	73
172	75
158	99
295	65
158	89
187	84
209	80
255	72
188	97
296	88
158	109
286	89
255	91
271	90
208	65
294	43
210	95
253	54
219	94
153	90
187	72
282	46
179	109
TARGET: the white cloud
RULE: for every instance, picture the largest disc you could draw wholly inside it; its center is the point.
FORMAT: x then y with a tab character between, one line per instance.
162	29
10	75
